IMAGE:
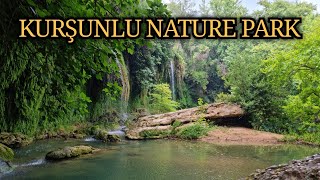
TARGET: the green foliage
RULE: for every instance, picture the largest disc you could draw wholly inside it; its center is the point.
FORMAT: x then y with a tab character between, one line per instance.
176	124
202	106
251	88
284	8
194	131
149	66
225	98
182	8
160	99
46	84
310	137
297	67
227	8
149	134
275	81
202	109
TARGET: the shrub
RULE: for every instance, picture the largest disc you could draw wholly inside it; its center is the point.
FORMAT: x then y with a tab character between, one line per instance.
313	138
176	124
154	134
161	101
194	131
224	97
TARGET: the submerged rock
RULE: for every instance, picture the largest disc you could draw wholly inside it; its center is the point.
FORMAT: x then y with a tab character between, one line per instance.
14	140
5	168
308	168
69	152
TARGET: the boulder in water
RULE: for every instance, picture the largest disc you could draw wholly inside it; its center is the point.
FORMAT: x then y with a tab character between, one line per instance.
106	137
5	168
14	140
69	152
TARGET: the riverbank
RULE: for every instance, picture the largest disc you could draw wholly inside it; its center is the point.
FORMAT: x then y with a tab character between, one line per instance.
241	136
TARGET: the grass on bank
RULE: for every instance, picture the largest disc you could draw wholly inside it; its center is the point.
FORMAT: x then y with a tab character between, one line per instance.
194	131
306	138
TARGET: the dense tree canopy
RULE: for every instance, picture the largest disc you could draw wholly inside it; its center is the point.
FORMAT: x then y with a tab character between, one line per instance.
47	83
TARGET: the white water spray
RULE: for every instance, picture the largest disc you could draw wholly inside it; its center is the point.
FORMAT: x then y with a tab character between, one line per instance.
125	88
172	80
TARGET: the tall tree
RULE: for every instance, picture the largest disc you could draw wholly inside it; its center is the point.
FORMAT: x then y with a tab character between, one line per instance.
182	8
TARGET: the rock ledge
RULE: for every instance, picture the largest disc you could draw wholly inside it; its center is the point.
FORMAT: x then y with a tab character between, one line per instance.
308	168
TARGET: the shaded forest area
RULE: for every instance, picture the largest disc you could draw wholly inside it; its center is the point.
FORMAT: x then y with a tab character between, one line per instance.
47	84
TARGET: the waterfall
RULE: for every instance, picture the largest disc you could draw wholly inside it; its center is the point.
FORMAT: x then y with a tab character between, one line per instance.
172	80
125	93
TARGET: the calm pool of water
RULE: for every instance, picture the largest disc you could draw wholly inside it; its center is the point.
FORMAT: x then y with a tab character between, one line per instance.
153	159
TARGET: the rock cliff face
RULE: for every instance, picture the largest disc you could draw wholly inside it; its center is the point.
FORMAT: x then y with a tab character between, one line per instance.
308	168
163	122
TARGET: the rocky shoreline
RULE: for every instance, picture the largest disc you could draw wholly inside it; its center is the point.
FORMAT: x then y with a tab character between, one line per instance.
308	168
17	140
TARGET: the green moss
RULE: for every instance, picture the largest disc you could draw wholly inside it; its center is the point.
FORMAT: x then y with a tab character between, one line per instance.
78	150
149	134
6	153
194	131
176	124
69	152
105	136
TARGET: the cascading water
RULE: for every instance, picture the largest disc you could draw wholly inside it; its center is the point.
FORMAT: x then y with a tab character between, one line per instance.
119	132
172	80
125	87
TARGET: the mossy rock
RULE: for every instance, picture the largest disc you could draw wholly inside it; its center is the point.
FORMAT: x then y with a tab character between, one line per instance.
6	153
14	140
104	136
69	152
